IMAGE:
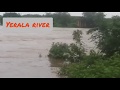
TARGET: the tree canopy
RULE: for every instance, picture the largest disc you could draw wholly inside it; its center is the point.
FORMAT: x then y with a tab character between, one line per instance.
93	19
107	35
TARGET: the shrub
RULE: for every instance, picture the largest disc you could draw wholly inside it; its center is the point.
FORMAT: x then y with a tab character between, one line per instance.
63	51
58	49
92	57
72	52
109	68
75	53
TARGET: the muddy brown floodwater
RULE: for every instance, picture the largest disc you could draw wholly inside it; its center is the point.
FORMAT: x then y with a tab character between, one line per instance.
20	50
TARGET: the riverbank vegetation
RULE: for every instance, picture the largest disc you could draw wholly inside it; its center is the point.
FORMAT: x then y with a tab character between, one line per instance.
73	52
102	64
93	68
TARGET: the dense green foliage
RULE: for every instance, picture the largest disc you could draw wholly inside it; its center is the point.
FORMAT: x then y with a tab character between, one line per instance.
61	19
58	50
63	51
107	36
109	68
93	18
74	52
106	63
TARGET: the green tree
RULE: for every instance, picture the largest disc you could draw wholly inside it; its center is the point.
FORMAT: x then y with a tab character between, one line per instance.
89	17
107	36
61	19
93	18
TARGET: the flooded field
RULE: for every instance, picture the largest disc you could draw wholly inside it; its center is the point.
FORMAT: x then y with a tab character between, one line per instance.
23	54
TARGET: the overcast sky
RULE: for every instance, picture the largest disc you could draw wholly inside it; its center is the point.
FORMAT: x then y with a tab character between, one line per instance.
108	14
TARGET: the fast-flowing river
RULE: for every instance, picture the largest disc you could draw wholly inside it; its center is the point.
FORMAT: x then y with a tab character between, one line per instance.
20	52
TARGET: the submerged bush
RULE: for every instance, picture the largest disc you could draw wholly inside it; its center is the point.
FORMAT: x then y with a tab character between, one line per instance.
58	49
73	52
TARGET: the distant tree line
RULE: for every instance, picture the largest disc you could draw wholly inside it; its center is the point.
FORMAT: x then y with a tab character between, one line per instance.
60	19
63	19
